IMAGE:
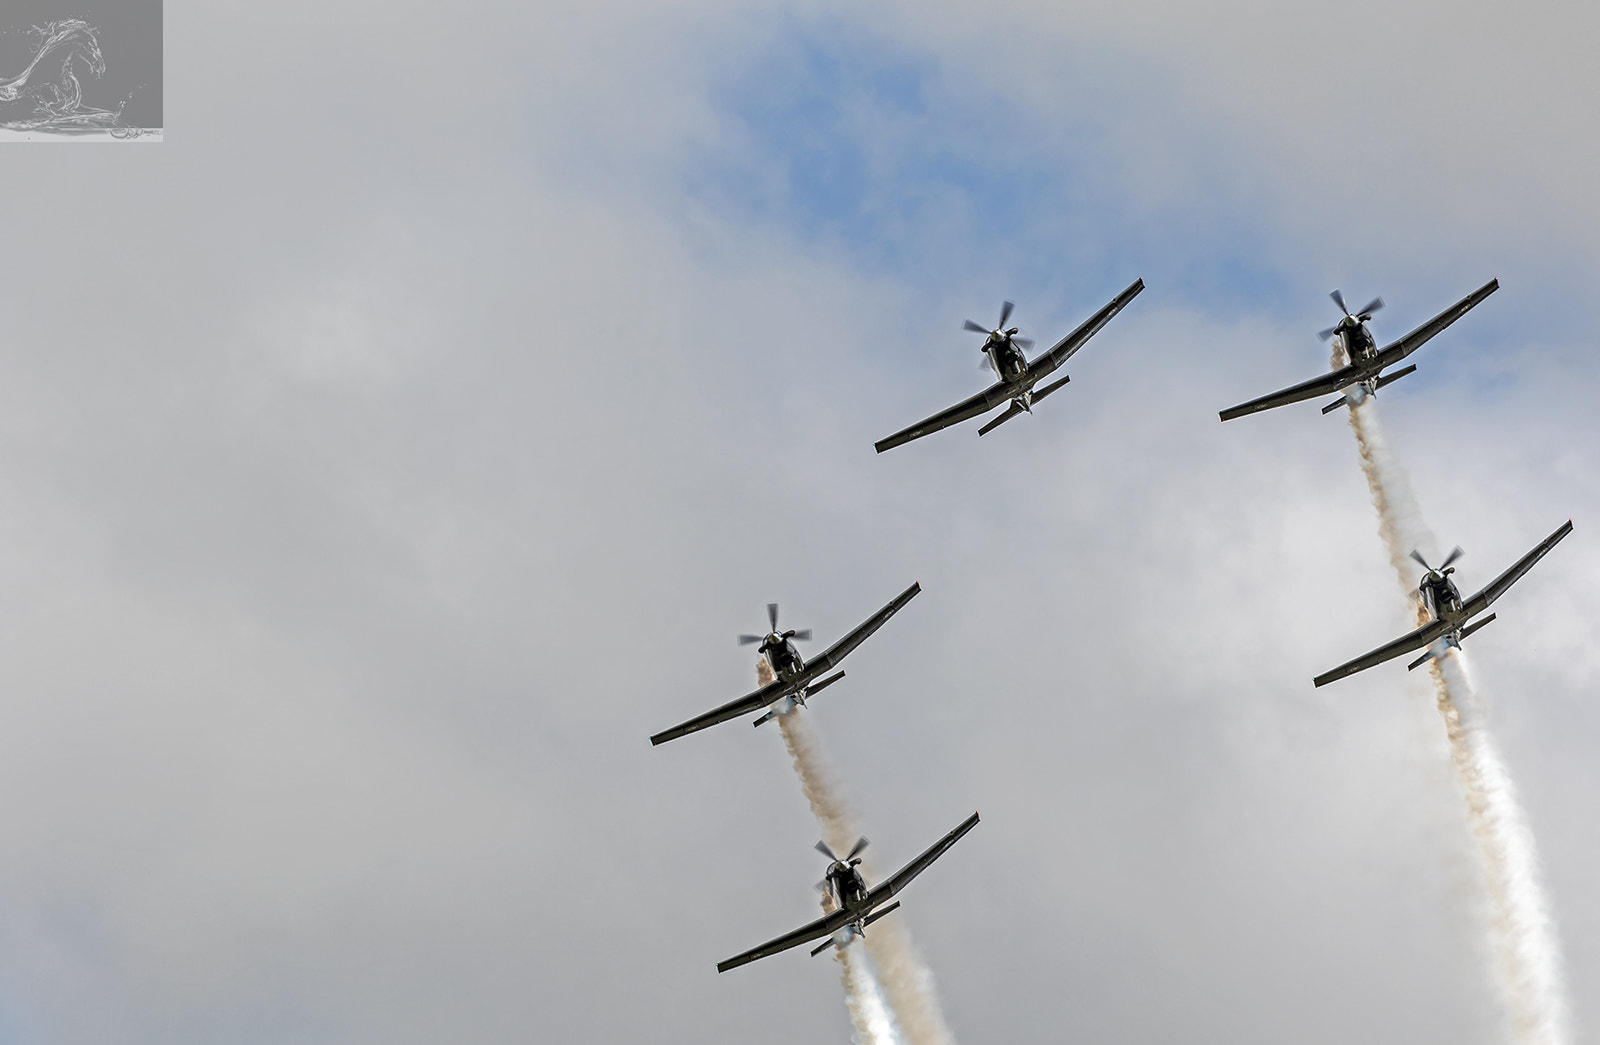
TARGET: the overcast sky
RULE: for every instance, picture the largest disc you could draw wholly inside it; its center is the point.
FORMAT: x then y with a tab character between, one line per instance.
395	447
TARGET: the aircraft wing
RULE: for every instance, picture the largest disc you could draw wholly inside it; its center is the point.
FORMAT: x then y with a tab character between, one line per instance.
901	878
830	657
1317	386
827	925
1423	636
1397	351
981	403
772	691
1497	587
1064	348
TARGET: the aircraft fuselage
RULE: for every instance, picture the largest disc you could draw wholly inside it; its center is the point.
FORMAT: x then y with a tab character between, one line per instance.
784	660
1007	359
1360	349
848	892
1442	600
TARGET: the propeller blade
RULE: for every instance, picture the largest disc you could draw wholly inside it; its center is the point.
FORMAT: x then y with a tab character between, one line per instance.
970	325
1025	342
1372	306
772	615
1418	556
822	847
987	364
803	635
822	887
861	843
1338	299
1323	335
1005	313
1455	553
745	640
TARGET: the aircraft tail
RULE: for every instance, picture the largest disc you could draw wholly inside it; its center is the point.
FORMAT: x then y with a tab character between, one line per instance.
875	915
1011	411
1051	387
1468	631
810	692
1397	375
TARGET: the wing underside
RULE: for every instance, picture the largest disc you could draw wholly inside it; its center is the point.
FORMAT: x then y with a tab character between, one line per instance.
1497	587
1397	351
824	926
901	878
981	403
1423	636
771	692
1063	349
830	657
1317	386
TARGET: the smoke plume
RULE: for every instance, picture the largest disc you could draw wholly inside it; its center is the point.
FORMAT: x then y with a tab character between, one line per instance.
1520	928
905	981
868	1014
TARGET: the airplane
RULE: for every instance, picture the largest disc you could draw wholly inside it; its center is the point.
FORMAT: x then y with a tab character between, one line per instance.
1359	378
854	905
1450	614
1003	354
794	678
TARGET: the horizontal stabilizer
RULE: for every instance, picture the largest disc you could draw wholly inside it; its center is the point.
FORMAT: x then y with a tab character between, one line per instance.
1469	630
875	915
768	717
1397	375
1051	387
1337	403
824	946
1420	661
1011	411
813	690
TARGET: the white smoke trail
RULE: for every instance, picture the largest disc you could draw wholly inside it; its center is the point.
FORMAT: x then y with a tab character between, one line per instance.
905	980
1521	930
1519	918
908	982
868	1014
1400	522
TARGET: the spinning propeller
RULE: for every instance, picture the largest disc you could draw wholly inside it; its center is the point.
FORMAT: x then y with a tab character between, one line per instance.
1360	317
849	861
1000	330
775	637
1455	554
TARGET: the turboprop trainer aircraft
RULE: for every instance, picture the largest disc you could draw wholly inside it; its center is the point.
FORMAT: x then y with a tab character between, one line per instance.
1450	615
1003	353
854	905
794	677
1360	378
